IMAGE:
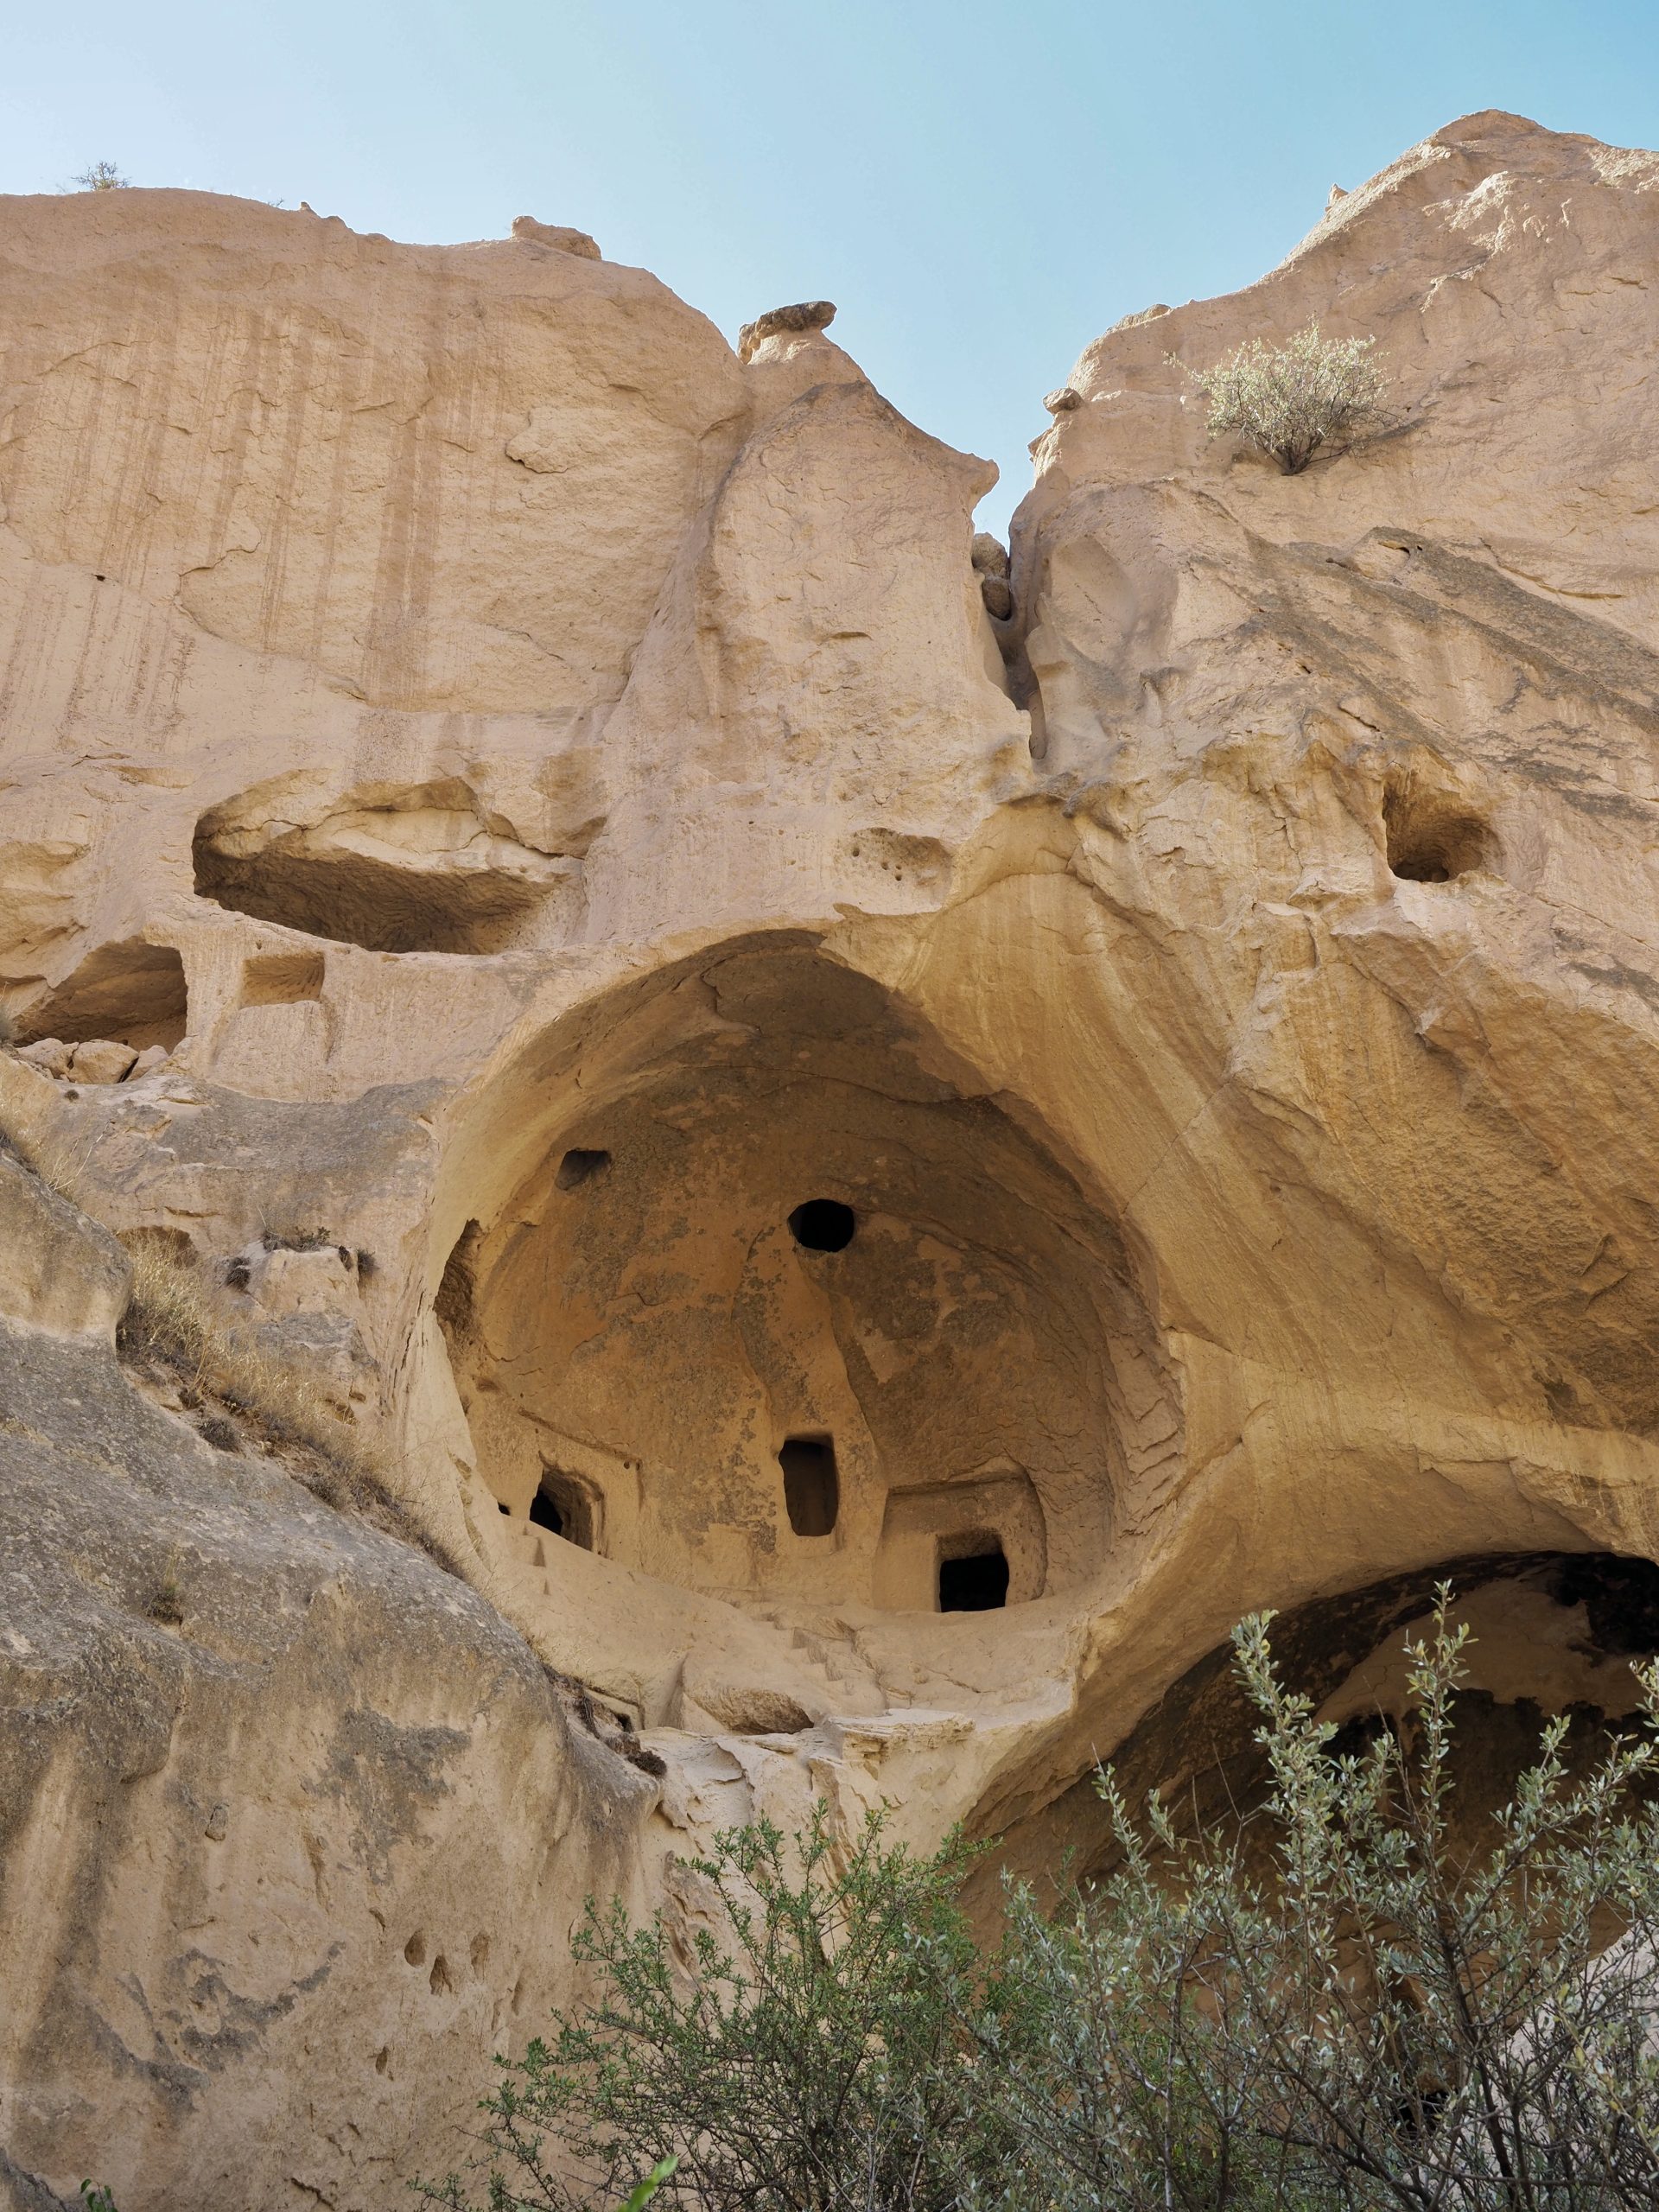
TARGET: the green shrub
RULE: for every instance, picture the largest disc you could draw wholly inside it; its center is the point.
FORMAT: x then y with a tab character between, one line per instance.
1289	400
1396	2022
810	2053
1388	2021
100	176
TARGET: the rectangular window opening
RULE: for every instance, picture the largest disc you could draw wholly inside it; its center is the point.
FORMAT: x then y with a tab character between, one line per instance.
974	1579
281	978
811	1484
564	1508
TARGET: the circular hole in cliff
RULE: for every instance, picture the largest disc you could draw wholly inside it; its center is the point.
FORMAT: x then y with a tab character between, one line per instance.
1431	837
823	1225
580	1165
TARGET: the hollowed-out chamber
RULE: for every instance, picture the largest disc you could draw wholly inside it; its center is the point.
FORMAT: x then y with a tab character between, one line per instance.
1551	1633
790	1309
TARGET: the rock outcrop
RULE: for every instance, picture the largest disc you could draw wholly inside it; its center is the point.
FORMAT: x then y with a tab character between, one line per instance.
868	1143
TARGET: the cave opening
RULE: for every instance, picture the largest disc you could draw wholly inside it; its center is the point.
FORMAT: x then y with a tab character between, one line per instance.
1554	1637
797	1314
580	1165
973	1580
823	1225
417	868
564	1507
811	1484
1431	838
132	993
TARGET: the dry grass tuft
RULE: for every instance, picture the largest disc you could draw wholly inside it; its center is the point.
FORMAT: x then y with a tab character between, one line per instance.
170	1324
170	1321
240	1393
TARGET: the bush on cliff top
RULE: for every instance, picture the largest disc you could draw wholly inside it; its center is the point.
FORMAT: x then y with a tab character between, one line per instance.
1389	2024
1290	400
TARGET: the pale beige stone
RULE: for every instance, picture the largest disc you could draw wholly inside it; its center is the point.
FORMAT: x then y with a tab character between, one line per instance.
57	1271
556	234
50	1054
555	796
101	1060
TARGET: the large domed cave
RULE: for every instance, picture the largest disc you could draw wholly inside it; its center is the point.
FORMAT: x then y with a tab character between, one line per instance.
755	1293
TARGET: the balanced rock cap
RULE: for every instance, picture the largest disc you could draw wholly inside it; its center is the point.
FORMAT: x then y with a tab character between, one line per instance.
556	234
805	314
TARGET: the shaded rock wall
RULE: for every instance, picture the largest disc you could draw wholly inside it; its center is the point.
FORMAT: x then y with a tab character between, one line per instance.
508	803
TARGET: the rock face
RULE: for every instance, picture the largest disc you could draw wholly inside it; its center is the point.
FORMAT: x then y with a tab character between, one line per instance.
870	1159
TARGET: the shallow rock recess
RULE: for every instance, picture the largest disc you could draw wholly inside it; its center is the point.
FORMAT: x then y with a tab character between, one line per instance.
851	1145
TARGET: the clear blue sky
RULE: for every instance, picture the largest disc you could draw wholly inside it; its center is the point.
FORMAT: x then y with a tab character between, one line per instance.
980	187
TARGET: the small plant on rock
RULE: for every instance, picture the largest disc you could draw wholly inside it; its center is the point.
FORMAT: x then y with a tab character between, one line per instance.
100	176
1389	2020
1290	400
1355	1999
802	2050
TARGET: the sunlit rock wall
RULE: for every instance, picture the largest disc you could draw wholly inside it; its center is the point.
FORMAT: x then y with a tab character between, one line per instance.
870	1171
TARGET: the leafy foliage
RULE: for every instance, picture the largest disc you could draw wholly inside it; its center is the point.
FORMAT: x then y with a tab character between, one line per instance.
1390	2020
1395	2022
807	2053
100	176
1290	400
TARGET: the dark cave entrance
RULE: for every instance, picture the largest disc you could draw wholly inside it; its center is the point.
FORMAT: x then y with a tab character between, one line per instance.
811	1484
823	1225
564	1508
975	1580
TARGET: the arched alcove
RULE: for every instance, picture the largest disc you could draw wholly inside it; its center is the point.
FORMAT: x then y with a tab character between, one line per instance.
1551	1633
133	992
747	1238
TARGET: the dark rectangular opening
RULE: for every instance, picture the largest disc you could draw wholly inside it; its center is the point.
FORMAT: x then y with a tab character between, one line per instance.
977	1581
811	1484
563	1509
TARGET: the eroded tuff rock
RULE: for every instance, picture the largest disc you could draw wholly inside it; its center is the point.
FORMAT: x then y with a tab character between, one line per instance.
872	1177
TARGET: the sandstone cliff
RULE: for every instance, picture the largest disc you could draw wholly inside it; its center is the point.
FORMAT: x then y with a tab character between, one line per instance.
864	1172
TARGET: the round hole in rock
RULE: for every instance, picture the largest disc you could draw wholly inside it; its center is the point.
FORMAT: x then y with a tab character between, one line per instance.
823	1225
977	1581
580	1165
1430	837
811	1484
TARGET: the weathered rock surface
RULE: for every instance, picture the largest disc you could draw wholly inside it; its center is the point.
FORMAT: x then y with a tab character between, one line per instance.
777	1104
280	1798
